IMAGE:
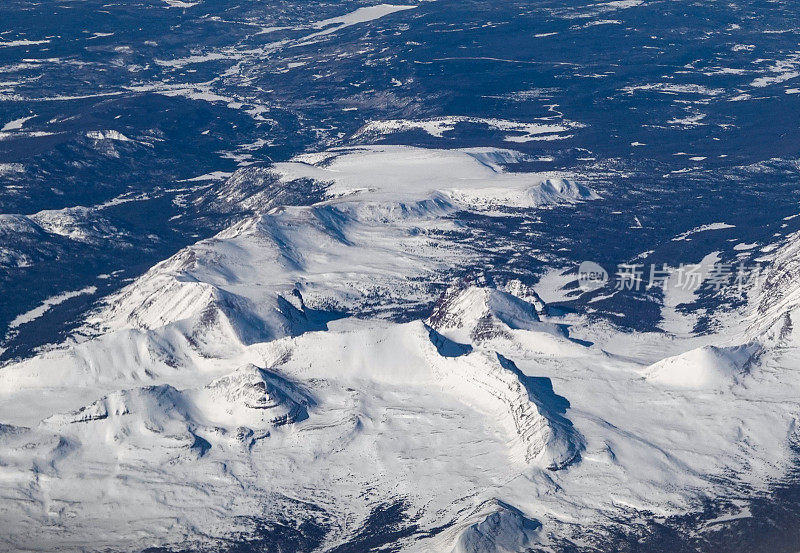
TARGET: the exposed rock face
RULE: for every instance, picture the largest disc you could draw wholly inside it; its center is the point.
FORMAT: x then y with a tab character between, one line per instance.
476	313
526	293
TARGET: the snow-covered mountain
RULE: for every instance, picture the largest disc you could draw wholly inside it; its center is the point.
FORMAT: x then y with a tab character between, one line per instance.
40	236
307	276
776	295
274	369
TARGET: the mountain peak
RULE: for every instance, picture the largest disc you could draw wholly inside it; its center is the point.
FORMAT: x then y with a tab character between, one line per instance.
470	312
255	393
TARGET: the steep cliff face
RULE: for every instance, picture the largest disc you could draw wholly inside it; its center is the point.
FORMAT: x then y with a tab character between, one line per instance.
540	434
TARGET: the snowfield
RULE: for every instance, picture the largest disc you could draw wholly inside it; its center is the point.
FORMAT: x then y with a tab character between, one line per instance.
266	373
398	175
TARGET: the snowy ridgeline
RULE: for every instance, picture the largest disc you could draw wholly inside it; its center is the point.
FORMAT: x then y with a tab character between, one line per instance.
256	367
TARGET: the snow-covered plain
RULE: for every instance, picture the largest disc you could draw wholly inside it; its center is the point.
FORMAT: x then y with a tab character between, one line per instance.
519	131
268	370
